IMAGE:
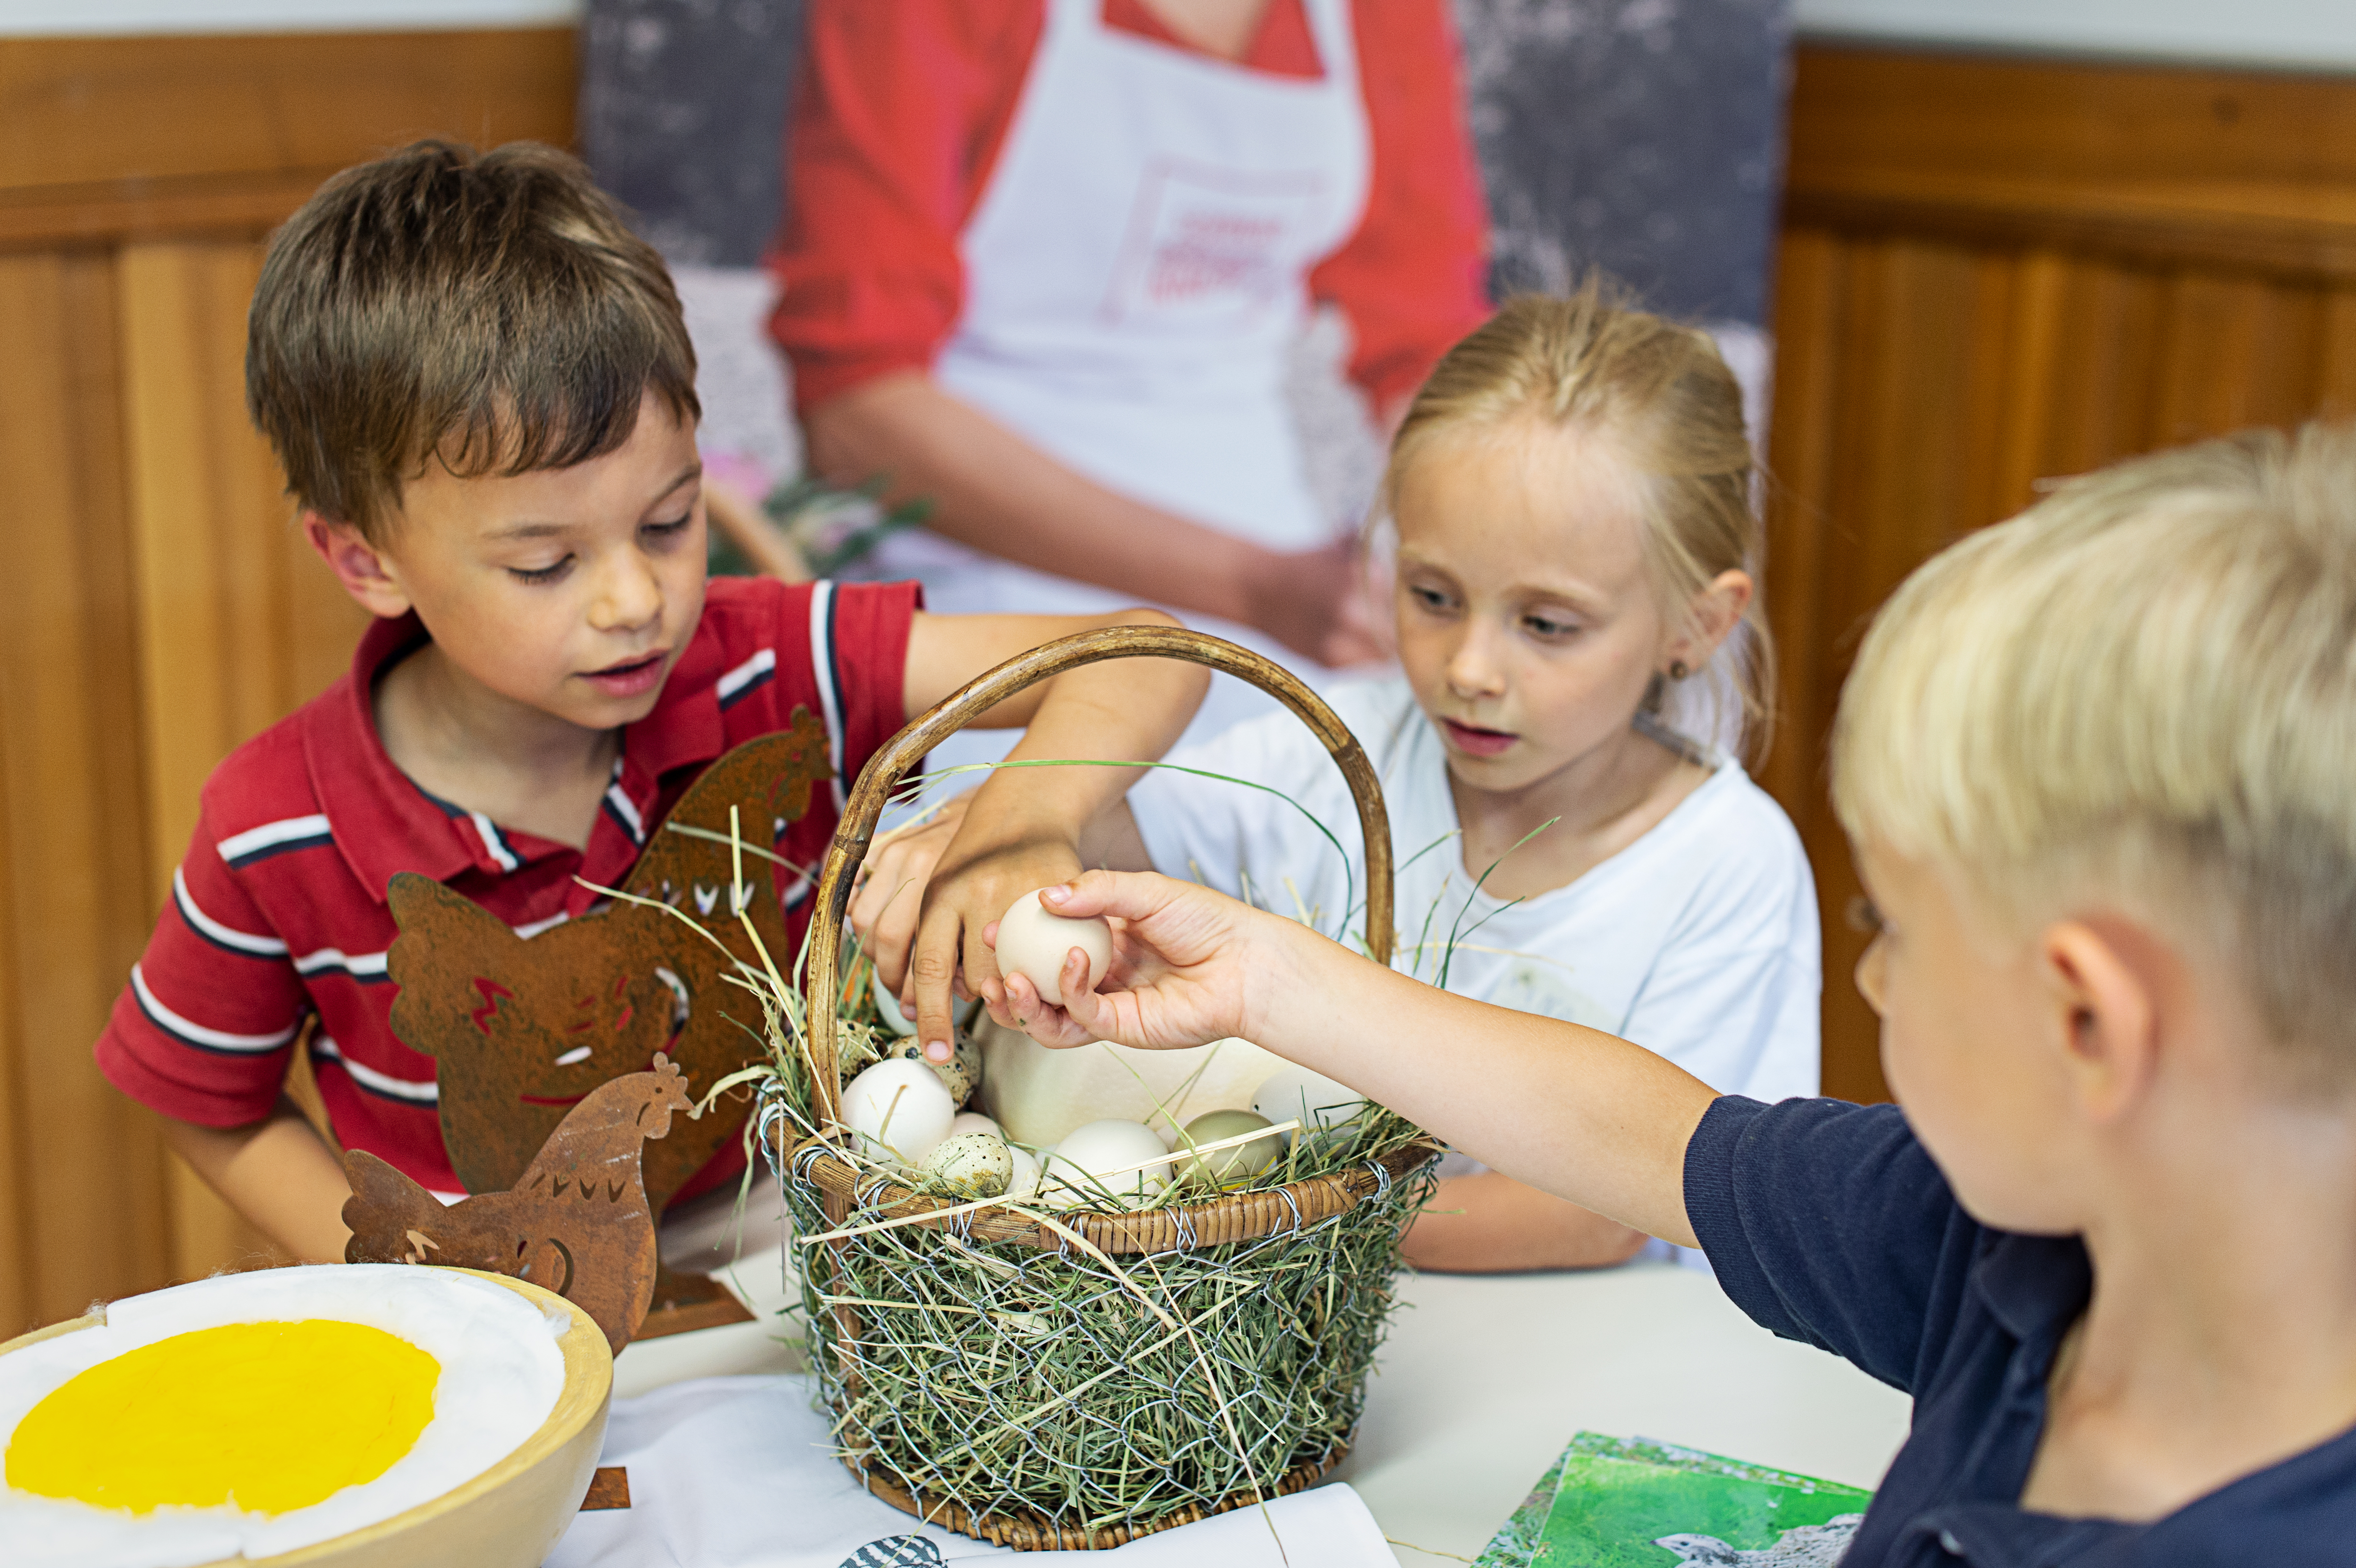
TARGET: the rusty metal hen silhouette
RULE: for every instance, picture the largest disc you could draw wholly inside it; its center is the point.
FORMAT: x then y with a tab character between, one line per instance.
578	1223
523	1030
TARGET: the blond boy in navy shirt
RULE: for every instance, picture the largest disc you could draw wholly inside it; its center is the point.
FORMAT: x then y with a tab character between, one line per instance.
482	390
2099	765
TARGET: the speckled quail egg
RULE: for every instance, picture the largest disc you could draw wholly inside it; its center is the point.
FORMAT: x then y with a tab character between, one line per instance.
960	1074
970	1165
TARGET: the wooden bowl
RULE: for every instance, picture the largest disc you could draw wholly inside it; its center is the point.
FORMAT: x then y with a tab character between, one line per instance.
509	1516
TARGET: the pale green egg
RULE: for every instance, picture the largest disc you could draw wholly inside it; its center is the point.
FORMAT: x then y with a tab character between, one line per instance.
1227	1166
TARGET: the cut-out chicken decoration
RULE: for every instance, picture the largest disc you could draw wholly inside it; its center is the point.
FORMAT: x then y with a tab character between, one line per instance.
578	1223
522	1031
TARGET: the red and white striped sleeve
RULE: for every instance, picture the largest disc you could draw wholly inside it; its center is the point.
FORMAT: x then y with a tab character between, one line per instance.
897	117
202	1031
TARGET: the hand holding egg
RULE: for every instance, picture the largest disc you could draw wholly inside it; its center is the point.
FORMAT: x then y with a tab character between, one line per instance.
1034	943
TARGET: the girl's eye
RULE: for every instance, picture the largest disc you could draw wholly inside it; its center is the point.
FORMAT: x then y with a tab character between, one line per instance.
1549	626
1864	918
1428	598
538	574
672	529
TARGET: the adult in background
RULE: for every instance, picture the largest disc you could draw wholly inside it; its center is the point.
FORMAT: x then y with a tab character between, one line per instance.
1044	263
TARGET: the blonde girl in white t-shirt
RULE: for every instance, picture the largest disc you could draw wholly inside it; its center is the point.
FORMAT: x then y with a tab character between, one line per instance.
1579	648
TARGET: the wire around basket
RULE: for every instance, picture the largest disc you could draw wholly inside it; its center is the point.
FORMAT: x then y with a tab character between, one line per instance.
1228	1219
1034	1532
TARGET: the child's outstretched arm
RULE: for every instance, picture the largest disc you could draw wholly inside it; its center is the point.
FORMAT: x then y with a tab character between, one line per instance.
1022	829
277	1175
1585	1115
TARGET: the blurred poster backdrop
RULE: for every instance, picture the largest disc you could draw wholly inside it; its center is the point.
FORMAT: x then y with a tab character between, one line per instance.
1643	137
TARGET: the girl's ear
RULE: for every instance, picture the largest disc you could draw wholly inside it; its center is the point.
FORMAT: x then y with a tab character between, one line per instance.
359	565
1711	616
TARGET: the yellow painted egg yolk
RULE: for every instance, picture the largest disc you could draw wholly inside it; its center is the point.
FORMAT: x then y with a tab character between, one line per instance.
269	1417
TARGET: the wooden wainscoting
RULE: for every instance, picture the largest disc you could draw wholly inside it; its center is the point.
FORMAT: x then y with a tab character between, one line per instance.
162	608
1994	271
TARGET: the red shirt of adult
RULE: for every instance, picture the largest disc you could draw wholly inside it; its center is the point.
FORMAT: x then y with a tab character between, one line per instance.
899	117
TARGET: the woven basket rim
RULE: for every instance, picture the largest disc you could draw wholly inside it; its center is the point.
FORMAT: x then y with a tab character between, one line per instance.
1033	1533
1230	1217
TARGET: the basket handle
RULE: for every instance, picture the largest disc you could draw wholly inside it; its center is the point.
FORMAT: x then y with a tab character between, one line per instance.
885	769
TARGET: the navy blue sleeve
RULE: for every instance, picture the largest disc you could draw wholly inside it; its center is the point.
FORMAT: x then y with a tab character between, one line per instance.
1828	1223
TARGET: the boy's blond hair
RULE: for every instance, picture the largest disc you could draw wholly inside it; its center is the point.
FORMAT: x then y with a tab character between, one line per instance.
2142	688
1593	362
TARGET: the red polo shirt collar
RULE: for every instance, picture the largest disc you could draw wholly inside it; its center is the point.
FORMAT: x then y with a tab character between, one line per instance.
384	822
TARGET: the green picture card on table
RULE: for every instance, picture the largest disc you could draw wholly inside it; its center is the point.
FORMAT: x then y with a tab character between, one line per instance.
1629	1502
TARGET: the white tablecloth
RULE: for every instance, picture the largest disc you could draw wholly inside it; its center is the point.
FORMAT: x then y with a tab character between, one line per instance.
734	1473
1480	1383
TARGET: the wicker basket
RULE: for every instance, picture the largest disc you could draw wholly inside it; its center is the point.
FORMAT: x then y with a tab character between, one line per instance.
1361	1205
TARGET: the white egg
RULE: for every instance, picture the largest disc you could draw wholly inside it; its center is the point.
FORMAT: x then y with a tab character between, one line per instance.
1034	942
1094	1159
971	1165
975	1122
900	1106
888	1006
1293	1092
1024	1183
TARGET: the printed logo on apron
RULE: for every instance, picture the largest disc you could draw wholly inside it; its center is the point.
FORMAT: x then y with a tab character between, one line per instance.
1211	248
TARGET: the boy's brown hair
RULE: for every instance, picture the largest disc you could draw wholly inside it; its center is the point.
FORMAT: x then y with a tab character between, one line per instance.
490	312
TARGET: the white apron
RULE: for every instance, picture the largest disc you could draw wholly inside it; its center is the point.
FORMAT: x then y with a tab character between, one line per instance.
1135	274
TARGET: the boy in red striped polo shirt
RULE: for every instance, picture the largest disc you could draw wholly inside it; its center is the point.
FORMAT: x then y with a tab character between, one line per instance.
482	392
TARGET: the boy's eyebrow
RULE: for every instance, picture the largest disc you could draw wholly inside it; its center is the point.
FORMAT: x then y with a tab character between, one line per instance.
545	530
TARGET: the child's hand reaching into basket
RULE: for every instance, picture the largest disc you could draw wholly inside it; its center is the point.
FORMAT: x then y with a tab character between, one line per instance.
1577	1112
1187	964
927	896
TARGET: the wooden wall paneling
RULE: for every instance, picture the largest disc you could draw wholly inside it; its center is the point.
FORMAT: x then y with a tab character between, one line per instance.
2335	372
1809	280
107	138
1999	271
2236	351
2240	170
240	628
1898	353
2102	376
81	1188
2031	346
161	607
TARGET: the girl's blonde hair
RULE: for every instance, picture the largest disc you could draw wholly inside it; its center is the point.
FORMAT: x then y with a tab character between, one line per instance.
2141	690
1592	363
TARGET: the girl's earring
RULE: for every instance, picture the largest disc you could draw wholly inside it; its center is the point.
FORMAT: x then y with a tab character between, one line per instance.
1678	670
